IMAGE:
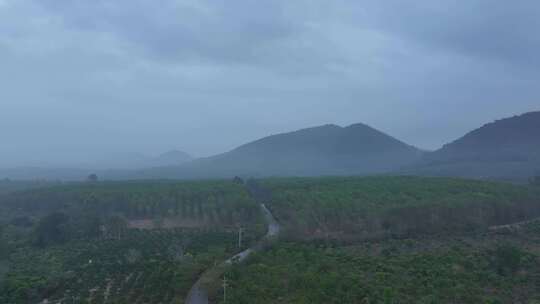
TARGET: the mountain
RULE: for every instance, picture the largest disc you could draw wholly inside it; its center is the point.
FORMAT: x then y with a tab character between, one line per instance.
506	148
323	150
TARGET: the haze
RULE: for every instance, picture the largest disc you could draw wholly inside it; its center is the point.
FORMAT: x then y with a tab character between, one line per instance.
82	81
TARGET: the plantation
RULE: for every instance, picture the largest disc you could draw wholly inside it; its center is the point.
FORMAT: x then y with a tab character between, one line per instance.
209	201
373	207
73	243
347	240
142	267
475	269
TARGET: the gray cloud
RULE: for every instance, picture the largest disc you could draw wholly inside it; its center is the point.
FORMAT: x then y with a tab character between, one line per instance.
481	28
83	79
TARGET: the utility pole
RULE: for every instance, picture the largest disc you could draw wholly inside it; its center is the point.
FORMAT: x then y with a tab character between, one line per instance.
225	289
240	231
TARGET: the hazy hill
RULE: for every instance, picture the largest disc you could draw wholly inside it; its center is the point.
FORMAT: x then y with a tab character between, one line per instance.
506	148
324	150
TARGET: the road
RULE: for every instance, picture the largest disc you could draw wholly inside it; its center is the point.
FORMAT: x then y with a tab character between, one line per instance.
197	294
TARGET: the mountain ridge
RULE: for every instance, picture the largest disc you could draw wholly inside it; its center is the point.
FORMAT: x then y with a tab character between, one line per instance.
321	150
508	147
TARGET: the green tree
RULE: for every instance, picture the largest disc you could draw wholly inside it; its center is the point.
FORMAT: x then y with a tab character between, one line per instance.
52	229
116	225
92	178
3	245
506	259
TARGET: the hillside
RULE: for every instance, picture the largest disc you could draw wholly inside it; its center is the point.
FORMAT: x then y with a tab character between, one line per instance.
324	150
506	148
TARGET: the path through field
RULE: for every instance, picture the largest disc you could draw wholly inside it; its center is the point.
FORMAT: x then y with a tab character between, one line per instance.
197	294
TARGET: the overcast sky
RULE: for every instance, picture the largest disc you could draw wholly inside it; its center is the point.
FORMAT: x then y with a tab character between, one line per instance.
83	79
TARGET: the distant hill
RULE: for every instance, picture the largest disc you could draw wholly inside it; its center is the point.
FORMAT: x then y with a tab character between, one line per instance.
323	150
507	148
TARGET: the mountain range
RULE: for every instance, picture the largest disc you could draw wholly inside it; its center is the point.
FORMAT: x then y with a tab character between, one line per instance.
505	149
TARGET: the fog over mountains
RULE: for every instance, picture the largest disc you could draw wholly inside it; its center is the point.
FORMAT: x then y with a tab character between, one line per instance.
504	149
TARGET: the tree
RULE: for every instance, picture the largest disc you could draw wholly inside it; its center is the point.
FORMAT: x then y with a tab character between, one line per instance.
92	178
238	180
115	226
89	225
535	180
3	244
52	229
506	259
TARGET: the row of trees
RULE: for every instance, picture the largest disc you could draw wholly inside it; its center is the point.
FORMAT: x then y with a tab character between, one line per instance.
58	228
224	202
358	208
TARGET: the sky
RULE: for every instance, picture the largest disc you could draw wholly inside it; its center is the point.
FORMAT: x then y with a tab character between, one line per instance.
88	80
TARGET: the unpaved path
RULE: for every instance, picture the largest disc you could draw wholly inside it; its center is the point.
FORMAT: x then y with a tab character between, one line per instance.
197	294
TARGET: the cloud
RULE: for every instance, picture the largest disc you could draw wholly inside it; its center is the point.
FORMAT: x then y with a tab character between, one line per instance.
207	75
492	29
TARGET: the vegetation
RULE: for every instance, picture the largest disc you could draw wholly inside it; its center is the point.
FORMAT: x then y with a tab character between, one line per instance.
8	186
374	207
475	269
75	243
143	267
348	240
208	202
535	181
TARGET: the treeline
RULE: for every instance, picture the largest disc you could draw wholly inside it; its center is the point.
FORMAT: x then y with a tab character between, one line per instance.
374	207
